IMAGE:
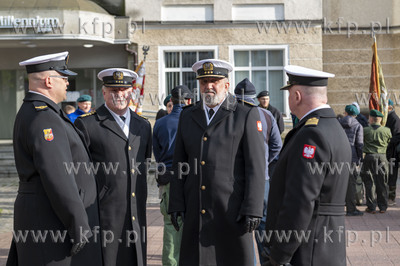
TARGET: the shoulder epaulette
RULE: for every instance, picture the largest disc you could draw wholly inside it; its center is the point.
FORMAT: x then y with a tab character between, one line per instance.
142	117
88	114
313	121
40	106
248	103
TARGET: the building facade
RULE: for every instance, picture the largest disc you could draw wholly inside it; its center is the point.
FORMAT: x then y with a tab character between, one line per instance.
94	38
258	37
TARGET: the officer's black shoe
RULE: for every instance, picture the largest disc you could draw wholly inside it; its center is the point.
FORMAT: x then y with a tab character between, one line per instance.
370	211
355	213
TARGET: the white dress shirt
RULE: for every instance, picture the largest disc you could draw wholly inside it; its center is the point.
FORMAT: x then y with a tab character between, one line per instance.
124	125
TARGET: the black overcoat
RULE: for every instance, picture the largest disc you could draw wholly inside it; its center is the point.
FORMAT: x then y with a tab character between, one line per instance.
307	193
122	188
224	182
55	195
393	122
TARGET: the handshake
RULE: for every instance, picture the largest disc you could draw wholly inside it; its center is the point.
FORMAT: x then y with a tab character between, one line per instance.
250	222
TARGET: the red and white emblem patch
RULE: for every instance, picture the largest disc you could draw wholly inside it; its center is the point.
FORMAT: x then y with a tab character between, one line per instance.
48	134
308	151
259	126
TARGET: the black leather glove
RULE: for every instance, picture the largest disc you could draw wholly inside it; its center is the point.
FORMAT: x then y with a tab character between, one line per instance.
174	219
271	262
251	223
265	252
77	247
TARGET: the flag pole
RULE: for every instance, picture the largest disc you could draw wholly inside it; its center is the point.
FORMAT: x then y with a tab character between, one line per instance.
379	94
138	85
145	49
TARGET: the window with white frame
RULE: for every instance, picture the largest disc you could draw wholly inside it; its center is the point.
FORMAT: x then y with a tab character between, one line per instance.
187	13
263	66
176	66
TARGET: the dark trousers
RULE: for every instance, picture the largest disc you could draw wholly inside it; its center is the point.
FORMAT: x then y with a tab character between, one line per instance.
393	175
271	168
351	193
374	174
260	232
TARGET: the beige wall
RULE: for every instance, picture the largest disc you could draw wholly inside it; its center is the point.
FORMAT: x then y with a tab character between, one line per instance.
362	12
150	10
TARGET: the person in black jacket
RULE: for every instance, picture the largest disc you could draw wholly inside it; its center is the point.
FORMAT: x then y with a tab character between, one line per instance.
119	138
263	98
303	199
392	152
56	195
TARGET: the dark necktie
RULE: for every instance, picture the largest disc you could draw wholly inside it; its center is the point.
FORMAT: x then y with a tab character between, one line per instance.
210	113
122	117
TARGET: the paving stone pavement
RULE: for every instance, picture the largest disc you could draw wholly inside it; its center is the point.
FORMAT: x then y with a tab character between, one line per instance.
8	192
372	239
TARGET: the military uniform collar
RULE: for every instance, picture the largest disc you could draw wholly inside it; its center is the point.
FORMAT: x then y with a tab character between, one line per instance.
316	113
324	106
32	96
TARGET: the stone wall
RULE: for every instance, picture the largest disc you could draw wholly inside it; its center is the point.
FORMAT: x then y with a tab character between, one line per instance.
350	60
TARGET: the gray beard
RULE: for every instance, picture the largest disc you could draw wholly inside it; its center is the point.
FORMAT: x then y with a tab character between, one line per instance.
213	100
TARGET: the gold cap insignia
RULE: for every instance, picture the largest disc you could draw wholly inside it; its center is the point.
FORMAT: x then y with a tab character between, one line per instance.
208	66
118	75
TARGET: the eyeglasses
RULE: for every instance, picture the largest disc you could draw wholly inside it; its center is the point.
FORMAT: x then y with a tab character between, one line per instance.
61	77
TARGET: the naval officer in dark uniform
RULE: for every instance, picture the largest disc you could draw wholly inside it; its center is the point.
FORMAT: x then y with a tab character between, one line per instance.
55	195
302	199
219	173
117	137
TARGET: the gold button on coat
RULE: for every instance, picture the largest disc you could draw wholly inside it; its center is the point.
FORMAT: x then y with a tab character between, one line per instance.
133	194
129	148
203	211
203	163
203	187
133	171
133	218
205	138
